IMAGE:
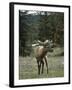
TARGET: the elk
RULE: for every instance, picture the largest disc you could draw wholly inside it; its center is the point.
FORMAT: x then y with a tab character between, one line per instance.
40	50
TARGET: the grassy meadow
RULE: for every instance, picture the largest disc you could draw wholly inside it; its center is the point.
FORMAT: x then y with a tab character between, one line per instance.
28	66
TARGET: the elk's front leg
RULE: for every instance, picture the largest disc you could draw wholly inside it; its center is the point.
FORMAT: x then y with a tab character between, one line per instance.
39	66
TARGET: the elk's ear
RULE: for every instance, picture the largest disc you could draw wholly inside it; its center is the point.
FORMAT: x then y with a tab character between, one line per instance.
46	41
33	45
40	42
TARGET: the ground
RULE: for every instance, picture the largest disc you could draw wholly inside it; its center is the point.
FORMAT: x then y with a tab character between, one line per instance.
28	66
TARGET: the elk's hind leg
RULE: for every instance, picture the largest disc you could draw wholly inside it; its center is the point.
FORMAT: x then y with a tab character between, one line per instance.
46	63
42	66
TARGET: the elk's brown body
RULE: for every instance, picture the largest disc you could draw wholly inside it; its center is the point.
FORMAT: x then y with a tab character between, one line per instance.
41	55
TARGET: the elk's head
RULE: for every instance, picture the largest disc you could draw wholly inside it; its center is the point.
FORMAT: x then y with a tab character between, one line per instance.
48	44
